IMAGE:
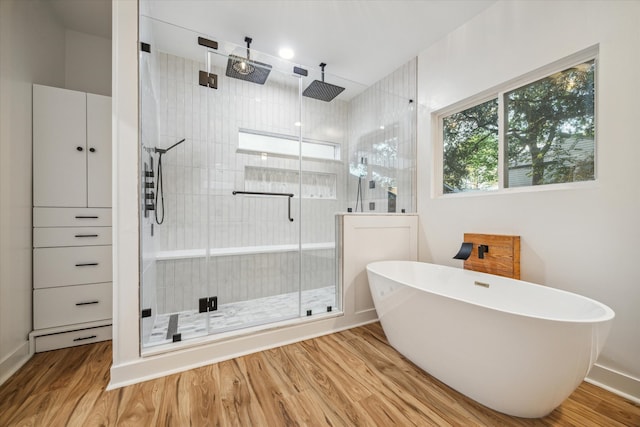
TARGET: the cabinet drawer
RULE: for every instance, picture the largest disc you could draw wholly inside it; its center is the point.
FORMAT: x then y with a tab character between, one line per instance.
68	305
71	266
72	338
71	236
71	217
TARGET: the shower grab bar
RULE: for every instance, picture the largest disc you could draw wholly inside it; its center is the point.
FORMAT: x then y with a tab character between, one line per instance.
260	193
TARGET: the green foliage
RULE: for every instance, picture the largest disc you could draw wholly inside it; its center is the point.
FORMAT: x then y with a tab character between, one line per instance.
549	133
546	122
471	148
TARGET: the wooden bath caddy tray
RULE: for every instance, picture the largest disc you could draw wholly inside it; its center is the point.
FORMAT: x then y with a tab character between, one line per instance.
502	258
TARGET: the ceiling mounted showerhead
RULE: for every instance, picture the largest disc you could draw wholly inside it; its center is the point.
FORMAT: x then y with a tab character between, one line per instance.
322	90
244	68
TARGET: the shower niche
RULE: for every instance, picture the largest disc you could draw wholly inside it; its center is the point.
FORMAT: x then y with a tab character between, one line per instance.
319	185
249	198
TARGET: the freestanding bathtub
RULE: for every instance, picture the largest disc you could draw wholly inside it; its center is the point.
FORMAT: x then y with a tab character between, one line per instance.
516	347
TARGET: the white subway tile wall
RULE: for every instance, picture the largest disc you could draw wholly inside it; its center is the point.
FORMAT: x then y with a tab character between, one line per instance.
200	174
382	138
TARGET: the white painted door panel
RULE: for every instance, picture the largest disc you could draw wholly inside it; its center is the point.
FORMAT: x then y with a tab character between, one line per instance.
71	236
71	266
98	150
73	338
71	217
59	147
68	305
368	238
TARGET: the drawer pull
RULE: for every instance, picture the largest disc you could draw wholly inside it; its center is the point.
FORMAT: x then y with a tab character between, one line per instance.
86	235
90	337
88	303
86	217
86	264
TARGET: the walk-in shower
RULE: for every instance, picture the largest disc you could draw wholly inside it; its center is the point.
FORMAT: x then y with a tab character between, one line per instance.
248	238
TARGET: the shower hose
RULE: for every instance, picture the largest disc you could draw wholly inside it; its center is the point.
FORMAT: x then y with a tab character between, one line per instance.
159	191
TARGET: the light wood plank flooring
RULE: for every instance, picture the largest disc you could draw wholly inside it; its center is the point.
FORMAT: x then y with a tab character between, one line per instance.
350	378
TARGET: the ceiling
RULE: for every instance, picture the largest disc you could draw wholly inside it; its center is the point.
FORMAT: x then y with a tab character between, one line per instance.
84	16
360	40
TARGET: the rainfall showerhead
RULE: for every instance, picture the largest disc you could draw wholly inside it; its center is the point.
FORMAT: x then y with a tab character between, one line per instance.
247	69
322	90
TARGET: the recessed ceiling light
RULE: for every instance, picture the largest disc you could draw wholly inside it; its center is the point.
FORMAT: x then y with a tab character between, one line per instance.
286	53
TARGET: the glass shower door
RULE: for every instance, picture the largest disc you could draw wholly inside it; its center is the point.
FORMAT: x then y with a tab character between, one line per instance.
174	210
254	189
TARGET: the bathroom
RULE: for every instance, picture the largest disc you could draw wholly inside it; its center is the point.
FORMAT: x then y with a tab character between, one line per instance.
580	239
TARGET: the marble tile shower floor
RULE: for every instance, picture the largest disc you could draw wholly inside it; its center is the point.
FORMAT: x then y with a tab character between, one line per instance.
240	314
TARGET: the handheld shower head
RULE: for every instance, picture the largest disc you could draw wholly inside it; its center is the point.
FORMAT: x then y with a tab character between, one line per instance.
164	150
159	197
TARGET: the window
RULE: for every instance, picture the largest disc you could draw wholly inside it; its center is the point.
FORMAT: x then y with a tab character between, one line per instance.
546	135
284	145
470	143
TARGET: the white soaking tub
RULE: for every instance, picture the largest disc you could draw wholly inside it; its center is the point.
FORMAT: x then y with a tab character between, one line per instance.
514	346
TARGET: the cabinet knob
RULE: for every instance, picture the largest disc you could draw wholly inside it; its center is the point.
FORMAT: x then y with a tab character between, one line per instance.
93	150
79	148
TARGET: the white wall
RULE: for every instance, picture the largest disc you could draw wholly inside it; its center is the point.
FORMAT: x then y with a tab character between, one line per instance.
87	63
34	48
582	240
31	51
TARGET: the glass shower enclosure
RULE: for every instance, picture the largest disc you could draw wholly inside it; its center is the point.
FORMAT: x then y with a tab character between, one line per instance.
241	178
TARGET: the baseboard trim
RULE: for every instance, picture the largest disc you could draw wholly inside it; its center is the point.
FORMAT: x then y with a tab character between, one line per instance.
14	361
616	382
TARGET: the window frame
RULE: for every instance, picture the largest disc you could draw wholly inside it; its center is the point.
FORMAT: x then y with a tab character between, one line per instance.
499	92
257	142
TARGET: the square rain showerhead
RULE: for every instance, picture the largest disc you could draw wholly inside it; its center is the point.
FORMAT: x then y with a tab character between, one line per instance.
252	71
322	90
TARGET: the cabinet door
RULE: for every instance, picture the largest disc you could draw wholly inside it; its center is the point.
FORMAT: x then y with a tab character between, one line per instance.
71	217
68	305
52	237
98	151
72	338
71	266
59	147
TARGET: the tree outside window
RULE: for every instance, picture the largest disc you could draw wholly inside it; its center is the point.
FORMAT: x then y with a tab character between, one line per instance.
471	149
550	128
548	132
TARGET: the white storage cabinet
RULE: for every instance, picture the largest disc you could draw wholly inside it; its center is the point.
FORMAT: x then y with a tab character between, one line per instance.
72	261
71	148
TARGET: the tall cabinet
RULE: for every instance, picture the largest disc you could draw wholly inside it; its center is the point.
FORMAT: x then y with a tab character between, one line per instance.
72	261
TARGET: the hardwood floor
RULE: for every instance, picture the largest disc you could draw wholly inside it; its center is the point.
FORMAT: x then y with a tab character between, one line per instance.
346	379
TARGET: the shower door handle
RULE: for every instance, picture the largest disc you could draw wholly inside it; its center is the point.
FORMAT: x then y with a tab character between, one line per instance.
260	193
